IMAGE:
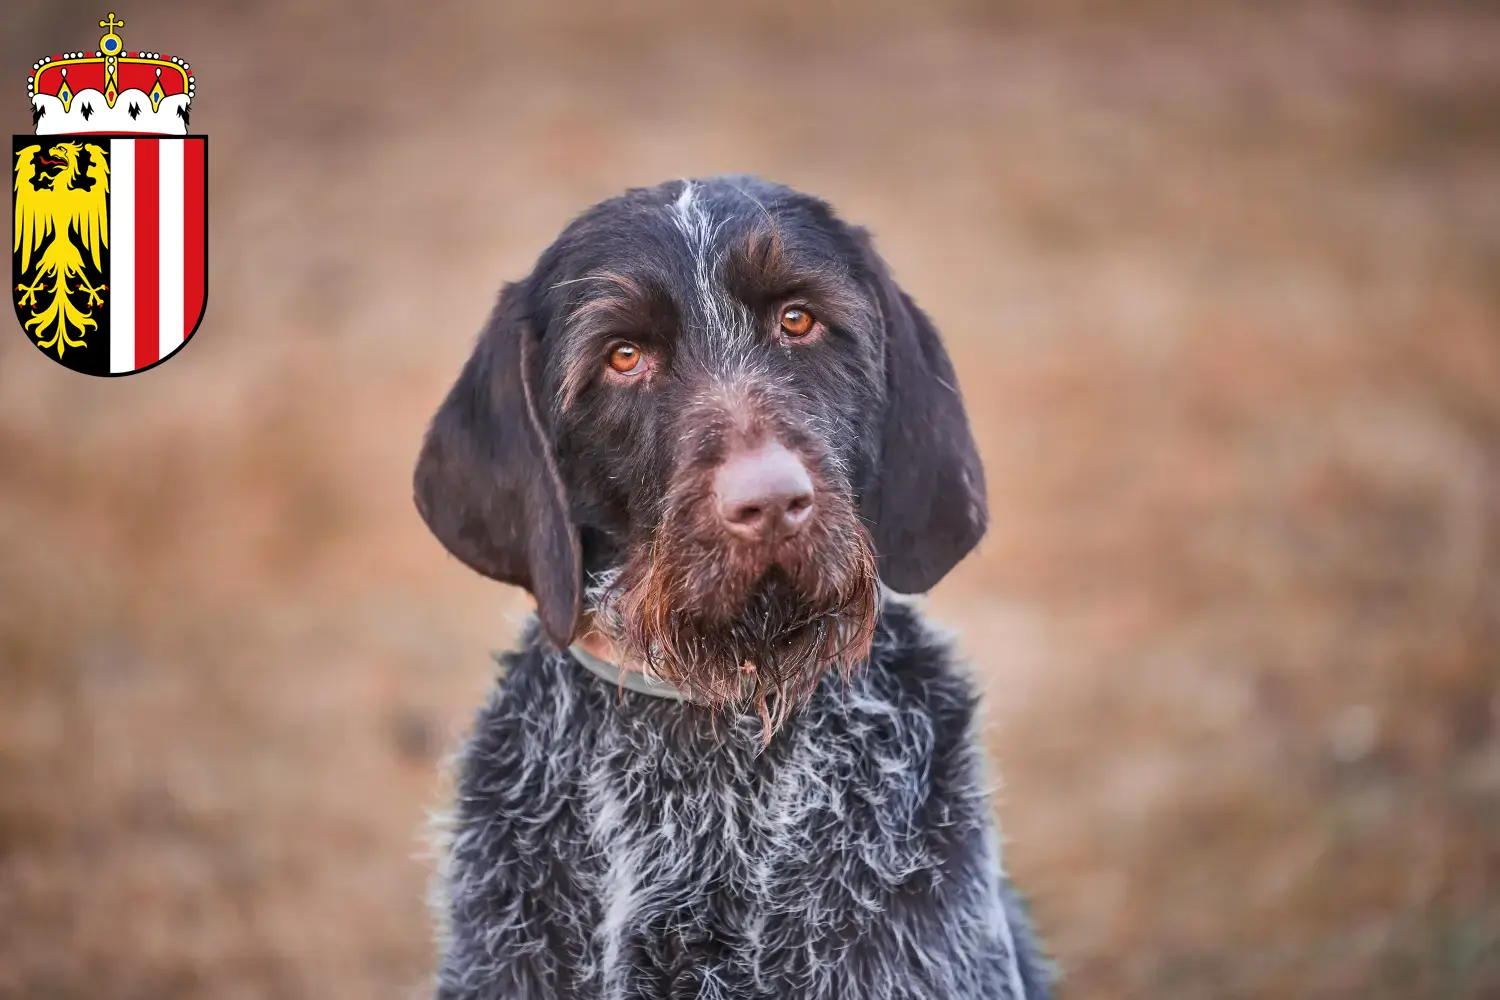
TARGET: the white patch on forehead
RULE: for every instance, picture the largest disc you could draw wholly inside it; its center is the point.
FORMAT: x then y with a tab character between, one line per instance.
727	320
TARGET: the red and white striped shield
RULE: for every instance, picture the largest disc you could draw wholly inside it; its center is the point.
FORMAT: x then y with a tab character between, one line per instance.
111	251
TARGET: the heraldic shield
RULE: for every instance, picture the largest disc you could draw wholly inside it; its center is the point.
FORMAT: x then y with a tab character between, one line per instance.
110	258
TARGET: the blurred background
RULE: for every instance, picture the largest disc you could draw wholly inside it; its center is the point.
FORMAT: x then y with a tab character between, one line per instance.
1222	284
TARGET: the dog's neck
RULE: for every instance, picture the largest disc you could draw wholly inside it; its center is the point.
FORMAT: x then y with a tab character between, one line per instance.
597	655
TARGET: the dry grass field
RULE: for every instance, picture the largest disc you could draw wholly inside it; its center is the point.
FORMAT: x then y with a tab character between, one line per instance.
1222	284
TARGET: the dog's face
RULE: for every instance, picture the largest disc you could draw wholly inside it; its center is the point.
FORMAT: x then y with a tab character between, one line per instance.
709	401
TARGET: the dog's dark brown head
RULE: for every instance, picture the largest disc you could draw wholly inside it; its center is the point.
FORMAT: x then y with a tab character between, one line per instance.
710	411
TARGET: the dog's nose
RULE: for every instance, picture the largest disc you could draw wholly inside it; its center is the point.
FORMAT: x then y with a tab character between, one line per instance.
764	493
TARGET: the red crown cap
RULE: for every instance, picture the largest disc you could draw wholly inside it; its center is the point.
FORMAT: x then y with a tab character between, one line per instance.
110	72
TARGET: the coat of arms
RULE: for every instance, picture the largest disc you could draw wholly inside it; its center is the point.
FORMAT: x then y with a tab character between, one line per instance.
110	255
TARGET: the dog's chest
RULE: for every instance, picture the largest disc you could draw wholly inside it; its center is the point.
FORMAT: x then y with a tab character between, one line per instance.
626	849
707	862
753	853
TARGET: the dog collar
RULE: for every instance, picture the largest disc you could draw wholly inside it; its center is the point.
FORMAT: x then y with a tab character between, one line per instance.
635	680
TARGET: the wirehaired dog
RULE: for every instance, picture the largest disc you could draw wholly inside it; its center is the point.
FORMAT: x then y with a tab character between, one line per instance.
711	436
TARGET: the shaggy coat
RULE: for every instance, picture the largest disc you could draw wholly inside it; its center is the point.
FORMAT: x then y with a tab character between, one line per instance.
614	845
811	818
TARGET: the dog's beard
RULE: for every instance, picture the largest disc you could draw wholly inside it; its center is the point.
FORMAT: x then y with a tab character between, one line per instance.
738	626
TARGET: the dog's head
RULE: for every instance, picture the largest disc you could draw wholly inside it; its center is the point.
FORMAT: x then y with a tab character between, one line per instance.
710	400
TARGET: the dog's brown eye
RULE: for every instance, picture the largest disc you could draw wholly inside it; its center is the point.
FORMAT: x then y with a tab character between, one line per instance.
625	359
796	322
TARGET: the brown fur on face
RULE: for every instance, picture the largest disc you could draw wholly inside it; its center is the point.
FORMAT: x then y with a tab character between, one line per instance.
621	308
763	270
745	624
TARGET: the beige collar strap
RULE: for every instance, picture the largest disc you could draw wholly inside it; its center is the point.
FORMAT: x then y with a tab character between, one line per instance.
635	680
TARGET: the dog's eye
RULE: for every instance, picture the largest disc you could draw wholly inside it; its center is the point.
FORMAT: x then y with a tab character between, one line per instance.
625	359
796	322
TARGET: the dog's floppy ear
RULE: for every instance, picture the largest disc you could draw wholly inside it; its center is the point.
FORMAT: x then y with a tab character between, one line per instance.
486	483
928	507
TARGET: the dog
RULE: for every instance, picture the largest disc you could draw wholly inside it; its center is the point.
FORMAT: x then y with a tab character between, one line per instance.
716	441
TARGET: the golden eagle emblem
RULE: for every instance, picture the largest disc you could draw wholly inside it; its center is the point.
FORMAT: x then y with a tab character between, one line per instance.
61	229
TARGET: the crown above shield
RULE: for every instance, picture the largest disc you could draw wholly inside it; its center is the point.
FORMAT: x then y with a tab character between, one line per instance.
111	90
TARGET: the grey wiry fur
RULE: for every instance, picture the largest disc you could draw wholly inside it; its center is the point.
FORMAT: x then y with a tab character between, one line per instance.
619	846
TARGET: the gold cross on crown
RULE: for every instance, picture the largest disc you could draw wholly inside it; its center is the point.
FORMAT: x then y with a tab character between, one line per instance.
111	24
